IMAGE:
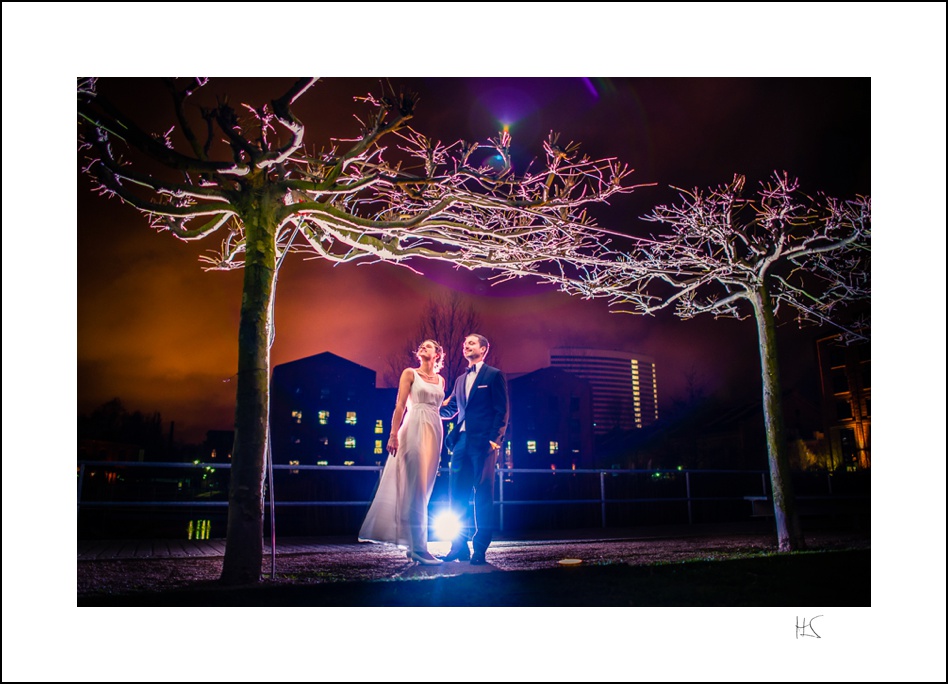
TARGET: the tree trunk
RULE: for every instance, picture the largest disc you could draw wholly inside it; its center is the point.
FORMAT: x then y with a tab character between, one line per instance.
789	534
243	556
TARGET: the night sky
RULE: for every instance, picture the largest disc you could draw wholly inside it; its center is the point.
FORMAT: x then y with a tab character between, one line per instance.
158	332
150	327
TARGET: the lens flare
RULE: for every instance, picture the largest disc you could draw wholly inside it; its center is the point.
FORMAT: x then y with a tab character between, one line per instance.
447	525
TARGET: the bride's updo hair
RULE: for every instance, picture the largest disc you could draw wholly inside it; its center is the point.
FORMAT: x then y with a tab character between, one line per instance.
439	355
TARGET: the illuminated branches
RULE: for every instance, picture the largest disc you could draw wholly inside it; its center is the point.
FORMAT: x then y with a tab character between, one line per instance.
387	195
810	255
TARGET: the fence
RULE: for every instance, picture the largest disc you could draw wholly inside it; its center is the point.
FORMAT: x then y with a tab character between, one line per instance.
139	499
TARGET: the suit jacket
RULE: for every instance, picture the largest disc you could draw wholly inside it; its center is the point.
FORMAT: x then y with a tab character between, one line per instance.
484	412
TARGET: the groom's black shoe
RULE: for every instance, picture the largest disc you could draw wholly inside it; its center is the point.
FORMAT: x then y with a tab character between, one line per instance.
459	554
478	558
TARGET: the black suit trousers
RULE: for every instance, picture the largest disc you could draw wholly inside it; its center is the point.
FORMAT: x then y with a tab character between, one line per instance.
473	466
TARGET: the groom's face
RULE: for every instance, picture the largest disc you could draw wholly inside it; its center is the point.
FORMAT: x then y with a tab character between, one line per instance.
472	349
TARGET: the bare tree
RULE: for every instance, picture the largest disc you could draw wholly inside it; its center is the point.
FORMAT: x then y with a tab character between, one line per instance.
733	257
246	174
447	320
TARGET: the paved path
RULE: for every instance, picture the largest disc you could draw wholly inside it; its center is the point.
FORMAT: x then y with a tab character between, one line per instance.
575	568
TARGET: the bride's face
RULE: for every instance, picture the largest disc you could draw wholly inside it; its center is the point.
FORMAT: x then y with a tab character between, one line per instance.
427	351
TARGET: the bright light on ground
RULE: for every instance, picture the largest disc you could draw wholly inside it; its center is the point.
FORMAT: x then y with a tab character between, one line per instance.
446	525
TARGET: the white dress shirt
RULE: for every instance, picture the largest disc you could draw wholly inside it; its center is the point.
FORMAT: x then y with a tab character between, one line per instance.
469	384
469	380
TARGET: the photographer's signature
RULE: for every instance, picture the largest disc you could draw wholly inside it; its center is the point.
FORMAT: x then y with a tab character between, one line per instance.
805	628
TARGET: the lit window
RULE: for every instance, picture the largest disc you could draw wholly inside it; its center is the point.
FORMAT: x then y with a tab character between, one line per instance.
531	446
378	447
294	472
350	442
379	428
323	417
324	441
348	463
350	417
322	462
297	416
554	447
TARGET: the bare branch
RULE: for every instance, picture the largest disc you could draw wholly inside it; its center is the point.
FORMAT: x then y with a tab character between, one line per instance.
811	255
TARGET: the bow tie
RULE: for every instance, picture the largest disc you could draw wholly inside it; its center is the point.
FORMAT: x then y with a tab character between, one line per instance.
472	369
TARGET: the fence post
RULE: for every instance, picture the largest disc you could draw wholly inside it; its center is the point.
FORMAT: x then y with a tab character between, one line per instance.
501	473
602	495
688	494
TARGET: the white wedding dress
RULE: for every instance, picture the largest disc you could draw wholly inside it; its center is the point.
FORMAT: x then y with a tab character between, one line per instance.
399	512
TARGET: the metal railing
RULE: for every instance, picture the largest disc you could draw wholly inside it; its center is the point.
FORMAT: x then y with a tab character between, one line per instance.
736	487
507	496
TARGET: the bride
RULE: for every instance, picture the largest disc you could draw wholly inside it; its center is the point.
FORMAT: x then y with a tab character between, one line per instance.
399	511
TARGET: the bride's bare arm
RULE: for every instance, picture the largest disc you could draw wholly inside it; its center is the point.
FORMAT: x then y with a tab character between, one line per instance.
404	387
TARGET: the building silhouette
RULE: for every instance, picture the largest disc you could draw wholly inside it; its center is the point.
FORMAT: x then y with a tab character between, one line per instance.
846	382
218	446
624	386
550	421
326	410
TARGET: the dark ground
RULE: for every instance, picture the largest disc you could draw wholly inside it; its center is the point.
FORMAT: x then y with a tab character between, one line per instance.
689	566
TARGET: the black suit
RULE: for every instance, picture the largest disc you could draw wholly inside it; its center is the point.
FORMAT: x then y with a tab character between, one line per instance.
484	415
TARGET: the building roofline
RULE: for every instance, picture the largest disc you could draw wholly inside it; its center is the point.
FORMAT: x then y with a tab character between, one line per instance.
606	353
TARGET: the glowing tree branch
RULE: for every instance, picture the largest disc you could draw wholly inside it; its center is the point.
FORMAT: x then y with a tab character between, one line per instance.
733	257
389	194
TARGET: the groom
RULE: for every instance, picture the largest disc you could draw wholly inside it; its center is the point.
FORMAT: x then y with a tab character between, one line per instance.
479	401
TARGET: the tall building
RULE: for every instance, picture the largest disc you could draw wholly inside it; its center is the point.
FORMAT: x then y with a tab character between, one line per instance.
624	385
846	383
